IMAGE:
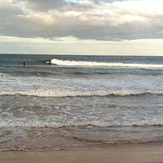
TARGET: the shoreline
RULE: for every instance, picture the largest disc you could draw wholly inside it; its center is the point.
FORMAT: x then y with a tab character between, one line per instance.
121	153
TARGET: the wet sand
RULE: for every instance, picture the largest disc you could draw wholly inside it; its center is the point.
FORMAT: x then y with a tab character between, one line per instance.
128	153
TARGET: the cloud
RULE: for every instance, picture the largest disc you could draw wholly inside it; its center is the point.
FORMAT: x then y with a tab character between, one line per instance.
43	5
88	19
107	1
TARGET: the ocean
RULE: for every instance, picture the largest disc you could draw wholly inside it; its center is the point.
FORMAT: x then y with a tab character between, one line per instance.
79	101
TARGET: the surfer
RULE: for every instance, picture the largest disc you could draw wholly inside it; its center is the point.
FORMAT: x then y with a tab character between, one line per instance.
50	62
24	63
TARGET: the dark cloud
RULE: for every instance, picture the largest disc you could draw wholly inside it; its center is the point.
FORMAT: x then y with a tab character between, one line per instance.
45	5
108	1
42	5
105	32
10	16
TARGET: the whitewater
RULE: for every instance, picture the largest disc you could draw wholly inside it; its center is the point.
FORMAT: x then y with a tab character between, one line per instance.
101	64
50	87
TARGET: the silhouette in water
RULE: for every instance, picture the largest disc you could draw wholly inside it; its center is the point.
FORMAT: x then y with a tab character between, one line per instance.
50	62
24	63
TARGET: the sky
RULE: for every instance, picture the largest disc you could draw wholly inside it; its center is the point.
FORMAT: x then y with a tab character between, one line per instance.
83	27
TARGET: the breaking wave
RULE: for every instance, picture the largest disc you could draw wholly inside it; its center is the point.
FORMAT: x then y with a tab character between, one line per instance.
4	75
23	122
51	93
102	64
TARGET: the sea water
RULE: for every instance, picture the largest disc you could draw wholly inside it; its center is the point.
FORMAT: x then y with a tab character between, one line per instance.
79	101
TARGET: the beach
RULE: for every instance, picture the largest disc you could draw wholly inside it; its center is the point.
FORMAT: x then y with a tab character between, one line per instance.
124	153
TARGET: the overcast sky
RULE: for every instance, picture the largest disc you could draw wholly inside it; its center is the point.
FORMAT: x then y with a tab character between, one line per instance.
99	27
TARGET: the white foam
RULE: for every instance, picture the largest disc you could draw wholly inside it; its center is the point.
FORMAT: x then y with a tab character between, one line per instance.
50	93
23	122
3	75
51	87
102	64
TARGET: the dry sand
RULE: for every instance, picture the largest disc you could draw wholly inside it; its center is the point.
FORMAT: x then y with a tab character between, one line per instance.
131	153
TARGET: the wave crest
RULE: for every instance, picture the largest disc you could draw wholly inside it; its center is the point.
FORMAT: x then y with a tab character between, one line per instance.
3	75
101	64
38	123
50	93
